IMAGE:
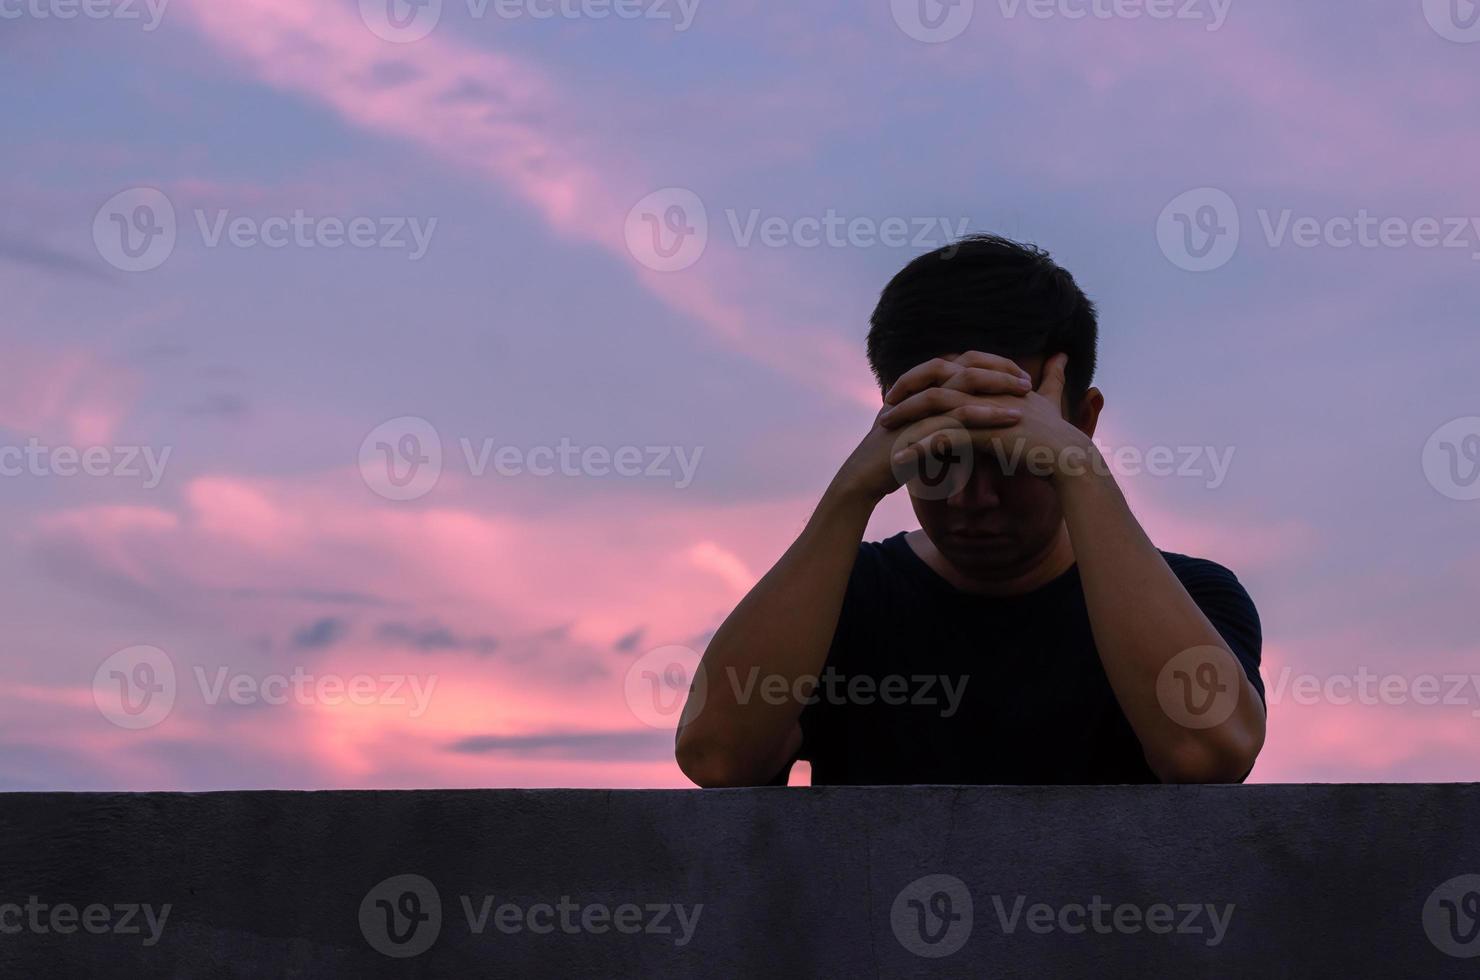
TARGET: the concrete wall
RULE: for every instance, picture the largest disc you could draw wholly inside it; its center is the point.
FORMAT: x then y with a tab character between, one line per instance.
1297	881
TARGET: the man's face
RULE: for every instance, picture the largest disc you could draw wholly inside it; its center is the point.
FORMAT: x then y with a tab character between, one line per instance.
1002	519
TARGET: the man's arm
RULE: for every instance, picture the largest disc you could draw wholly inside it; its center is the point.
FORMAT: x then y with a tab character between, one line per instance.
1141	614
1142	618
784	627
781	629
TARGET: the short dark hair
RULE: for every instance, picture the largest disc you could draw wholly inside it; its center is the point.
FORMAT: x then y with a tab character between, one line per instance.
983	293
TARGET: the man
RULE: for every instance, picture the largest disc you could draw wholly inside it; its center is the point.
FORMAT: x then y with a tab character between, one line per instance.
1029	632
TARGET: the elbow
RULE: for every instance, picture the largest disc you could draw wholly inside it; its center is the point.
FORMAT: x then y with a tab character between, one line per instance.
1215	757
708	765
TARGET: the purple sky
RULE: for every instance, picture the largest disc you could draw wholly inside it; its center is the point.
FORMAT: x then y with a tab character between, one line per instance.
249	248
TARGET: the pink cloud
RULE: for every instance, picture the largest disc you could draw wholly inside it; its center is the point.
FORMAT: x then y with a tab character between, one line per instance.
556	672
557	593
69	393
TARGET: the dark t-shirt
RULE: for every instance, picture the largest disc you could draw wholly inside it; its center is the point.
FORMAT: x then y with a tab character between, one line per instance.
928	684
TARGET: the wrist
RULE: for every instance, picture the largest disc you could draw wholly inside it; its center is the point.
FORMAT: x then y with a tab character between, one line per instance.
1080	465
848	499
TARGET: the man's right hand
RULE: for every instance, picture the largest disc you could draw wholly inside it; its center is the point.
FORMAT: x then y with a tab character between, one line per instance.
869	474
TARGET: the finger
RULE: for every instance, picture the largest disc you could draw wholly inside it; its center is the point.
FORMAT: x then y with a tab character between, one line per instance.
989	381
931	401
995	362
944	445
985	409
921	376
1052	385
986	415
920	437
943	436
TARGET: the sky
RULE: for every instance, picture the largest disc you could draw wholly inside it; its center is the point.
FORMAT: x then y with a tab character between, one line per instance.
394	394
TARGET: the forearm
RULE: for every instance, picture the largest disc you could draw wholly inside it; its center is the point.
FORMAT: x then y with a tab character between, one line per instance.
778	635
1142	617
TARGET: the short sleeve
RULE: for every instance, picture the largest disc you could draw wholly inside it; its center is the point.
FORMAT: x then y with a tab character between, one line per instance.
1222	599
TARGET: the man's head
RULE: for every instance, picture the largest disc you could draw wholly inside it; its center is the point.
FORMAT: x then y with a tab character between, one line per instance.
997	296
983	293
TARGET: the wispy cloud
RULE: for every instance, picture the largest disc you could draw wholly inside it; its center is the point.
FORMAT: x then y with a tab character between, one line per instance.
503	118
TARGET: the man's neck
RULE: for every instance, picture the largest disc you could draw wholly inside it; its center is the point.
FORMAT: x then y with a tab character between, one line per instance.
1056	559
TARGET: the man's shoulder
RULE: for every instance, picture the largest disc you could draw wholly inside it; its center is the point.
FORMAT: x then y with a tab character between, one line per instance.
883	567
1228	606
885	550
1211	584
875	558
1190	566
